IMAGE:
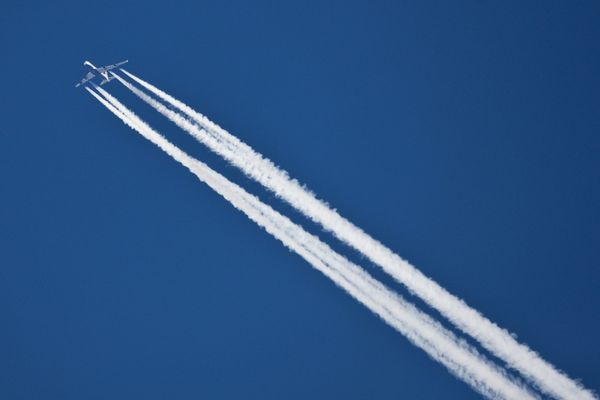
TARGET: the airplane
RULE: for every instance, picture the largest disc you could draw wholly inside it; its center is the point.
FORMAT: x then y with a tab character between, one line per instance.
102	71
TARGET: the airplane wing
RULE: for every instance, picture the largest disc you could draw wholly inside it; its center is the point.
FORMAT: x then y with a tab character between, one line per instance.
87	78
113	66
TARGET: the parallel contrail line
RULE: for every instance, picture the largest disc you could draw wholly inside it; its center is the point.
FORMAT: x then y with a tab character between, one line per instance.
492	337
420	329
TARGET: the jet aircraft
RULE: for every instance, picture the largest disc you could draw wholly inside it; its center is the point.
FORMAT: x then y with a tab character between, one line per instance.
102	71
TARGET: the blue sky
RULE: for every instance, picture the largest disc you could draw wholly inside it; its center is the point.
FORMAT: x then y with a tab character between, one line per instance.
465	137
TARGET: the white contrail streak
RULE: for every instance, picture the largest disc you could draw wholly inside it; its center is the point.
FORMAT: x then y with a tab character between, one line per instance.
440	344
492	337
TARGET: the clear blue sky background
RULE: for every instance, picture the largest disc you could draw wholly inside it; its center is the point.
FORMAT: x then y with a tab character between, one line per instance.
466	137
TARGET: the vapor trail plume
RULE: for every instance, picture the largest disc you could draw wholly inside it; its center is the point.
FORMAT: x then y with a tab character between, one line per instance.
492	337
420	329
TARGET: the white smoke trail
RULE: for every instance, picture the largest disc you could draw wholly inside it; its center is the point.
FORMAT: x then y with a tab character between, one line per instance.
497	340
420	329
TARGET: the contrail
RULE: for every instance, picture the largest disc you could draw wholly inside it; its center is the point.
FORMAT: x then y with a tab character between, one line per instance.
492	337
440	344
